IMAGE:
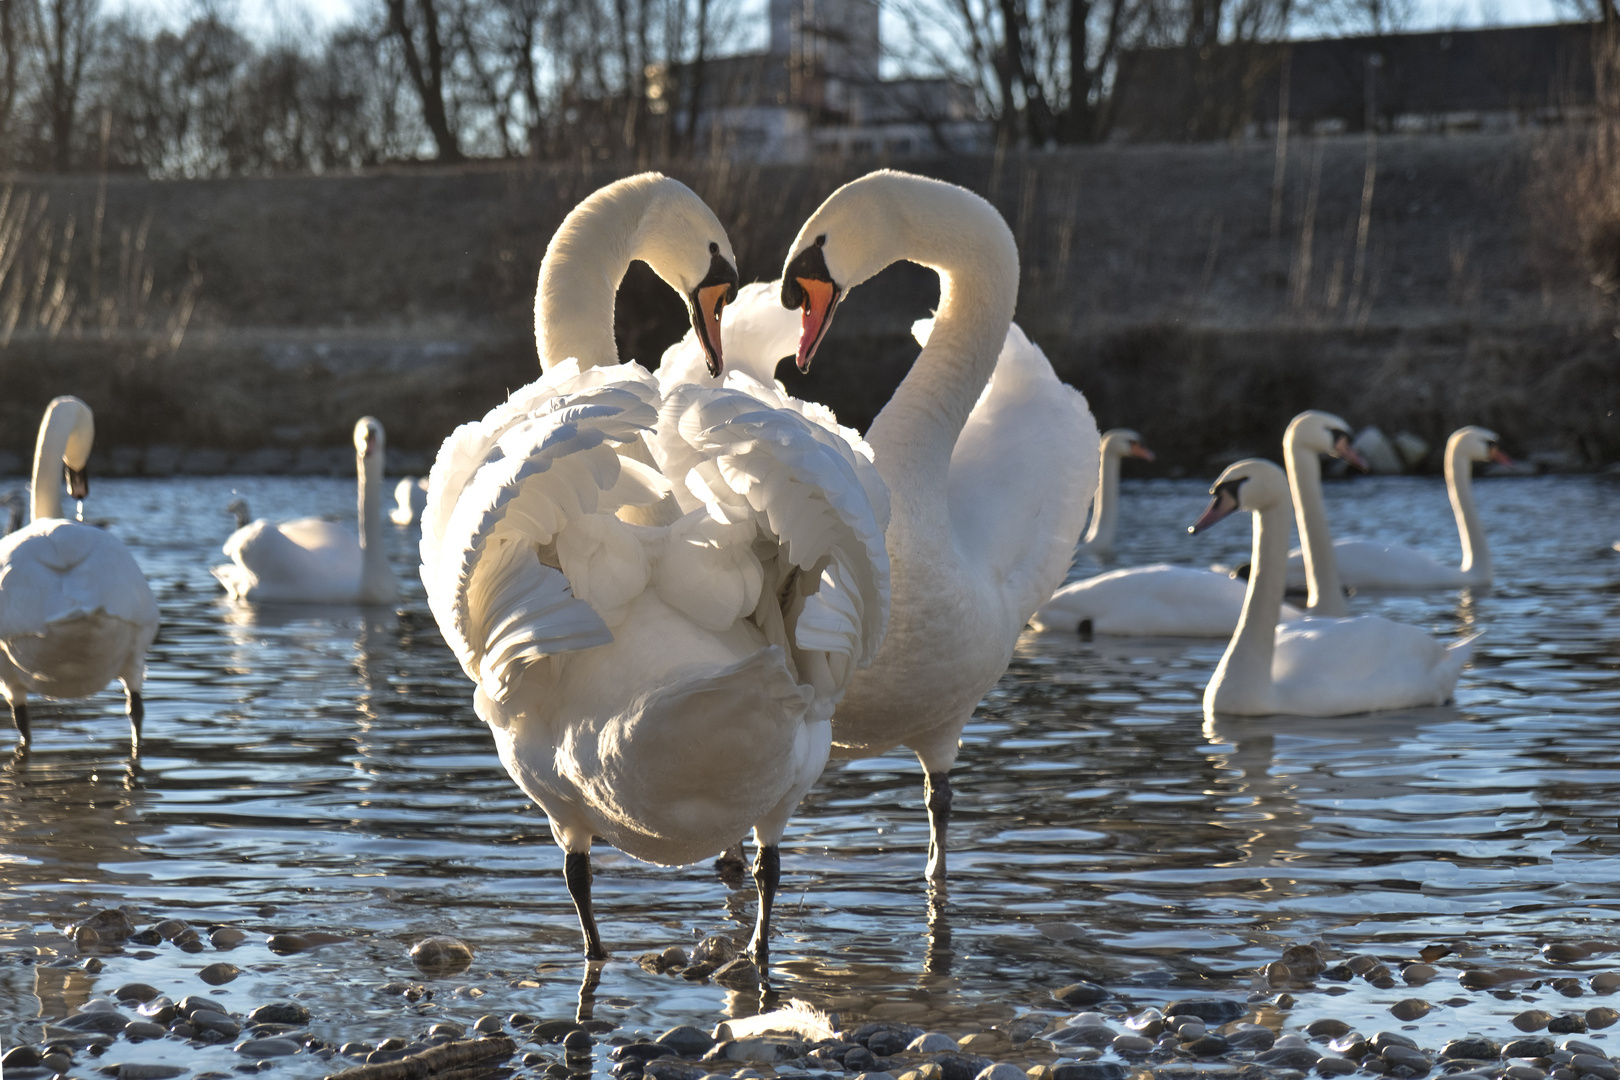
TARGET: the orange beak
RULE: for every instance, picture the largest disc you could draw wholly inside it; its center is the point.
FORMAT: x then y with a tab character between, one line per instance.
1500	458
820	299
1138	450
711	301
1343	449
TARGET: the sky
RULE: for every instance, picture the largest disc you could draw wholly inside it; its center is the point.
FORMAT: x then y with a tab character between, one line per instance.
265	16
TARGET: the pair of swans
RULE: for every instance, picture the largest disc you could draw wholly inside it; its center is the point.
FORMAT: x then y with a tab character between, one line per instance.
1185	601
649	578
1317	666
75	610
312	560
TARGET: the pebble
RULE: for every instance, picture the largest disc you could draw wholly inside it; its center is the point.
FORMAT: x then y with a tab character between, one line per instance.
441	954
286	944
57	1063
1605	982
1568	1024
1327	1027
579	1042
1531	1020
1207	1046
1419	973
208	1020
226	937
219	974
20	1057
1001	1071
136	991
931	1043
1524	1072
133	1070
1410	1009
279	1012
1090	1070
1209	1010
274	1046
1601	1017
686	1040
1288	1057
491	1025
1540	1046
144	1029
1596	1064
1472	1048
1132	1045
1329	1065
1080	994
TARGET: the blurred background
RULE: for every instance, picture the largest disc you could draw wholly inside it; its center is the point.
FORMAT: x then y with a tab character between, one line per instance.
234	228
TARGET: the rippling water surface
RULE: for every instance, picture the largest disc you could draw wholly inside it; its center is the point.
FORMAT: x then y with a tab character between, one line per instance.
322	769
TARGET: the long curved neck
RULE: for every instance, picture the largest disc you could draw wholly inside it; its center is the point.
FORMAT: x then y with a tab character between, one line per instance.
971	248
373	557
1244	673
580	275
1105	511
48	451
1476	555
1326	595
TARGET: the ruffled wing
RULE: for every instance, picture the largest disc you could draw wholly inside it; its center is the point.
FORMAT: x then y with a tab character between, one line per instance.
57	569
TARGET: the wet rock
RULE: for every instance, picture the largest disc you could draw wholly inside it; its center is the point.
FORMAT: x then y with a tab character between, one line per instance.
1211	1011
1472	1047
867	1032
1410	1058
489	1025
280	1012
553	1030
642	1051
1251	1037
287	944
1302	1058
1207	1046
860	1059
762	1049
110	926
57	1063
1601	1017
1305	961
1490	978
208	1020
673	1070
1090	1070
97	1020
136	991
182	1029
1418	974
1605	982
1531	1020
440	955
1097	1035
1329	1065
1568	1024
1578	1046
219	974
148	936
20	1057
931	1043
1003	1071
1188	1030
1594	1065
578	1042
1080	994
737	974
144	1029
274	1046
889	1043
226	937
1383	1040
1132	1045
169	928
688	1041
1431	953
715	949
134	1070
1327	1028
1338	973
1524	1072
1410	1009
960	1066
1528	1048
1361	963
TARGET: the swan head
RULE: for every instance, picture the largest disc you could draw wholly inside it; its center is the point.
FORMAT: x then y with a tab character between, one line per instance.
1477	444
1124	443
70	419
238	509
685	244
1253	484
369	441
1323	433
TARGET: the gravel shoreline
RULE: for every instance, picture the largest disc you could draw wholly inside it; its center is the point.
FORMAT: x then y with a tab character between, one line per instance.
1088	1033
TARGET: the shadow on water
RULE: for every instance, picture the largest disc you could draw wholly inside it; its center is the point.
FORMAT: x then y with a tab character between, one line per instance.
311	769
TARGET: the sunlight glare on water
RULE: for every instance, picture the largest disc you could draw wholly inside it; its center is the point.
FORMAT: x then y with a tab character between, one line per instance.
321	769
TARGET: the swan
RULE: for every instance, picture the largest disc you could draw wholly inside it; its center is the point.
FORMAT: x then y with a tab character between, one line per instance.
990	463
410	495
1367	564
1309	435
238	509
75	610
659	593
1316	666
1117	444
13	502
314	561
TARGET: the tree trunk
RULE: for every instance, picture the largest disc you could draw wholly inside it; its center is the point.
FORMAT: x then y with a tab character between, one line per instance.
428	78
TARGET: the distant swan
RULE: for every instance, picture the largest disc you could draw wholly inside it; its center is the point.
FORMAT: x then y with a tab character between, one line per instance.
410	495
314	561
238	509
1367	564
1316	666
1117	444
659	592
989	459
13	502
75	610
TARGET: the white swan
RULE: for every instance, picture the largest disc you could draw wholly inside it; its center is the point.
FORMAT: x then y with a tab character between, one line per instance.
410	495
238	509
1317	666
75	610
989	478
1117	444
1367	564
660	595
314	561
1309	435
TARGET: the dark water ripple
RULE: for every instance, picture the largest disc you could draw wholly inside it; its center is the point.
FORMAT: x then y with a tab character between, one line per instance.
321	769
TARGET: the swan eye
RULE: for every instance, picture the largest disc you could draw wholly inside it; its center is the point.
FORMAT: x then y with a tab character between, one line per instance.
714	248
821	241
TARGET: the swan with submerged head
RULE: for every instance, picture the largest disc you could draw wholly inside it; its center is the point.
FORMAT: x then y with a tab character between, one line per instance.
1367	564
990	463
75	610
659	592
1316	666
312	560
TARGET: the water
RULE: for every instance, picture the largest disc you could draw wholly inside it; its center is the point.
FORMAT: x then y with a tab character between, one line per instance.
322	769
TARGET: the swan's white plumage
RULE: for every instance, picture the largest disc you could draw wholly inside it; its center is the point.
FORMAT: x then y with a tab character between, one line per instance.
76	611
1317	666
621	664
1160	600
410	495
311	560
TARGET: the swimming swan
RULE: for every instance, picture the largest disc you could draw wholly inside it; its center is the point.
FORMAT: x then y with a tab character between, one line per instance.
75	610
314	561
410	495
990	462
660	594
1367	564
1316	666
1117	444
13	502
1309	435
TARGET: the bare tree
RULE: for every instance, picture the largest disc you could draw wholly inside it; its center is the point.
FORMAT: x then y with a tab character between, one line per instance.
427	63
67	37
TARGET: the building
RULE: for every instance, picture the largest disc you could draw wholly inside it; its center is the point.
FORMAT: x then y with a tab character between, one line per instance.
816	90
1446	80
